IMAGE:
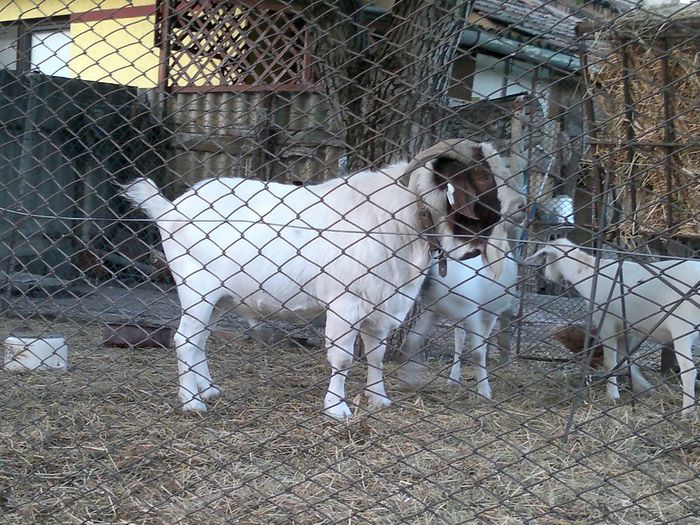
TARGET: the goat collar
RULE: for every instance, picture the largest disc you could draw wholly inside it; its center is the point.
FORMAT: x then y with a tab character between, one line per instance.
430	233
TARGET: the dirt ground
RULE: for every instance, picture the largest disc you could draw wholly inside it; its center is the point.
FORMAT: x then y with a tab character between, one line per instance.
104	442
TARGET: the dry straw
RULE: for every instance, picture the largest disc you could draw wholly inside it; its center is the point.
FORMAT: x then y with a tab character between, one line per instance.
105	443
660	82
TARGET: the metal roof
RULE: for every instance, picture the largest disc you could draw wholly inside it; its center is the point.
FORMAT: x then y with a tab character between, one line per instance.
536	22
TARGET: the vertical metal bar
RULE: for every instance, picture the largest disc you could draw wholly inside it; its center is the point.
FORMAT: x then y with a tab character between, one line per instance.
629	116
591	132
669	132
506	76
625	325
516	137
525	234
517	158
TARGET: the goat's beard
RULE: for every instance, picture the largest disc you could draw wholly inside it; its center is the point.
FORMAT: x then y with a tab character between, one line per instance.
479	247
464	251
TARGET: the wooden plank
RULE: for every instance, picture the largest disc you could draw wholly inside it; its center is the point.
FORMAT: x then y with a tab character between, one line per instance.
232	142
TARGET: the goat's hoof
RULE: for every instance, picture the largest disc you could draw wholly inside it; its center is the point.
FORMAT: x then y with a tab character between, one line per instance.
453	383
645	389
613	395
412	376
688	412
378	400
339	410
210	392
194	405
484	392
505	360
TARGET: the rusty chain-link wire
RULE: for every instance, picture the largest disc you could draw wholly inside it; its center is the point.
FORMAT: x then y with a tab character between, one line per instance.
217	216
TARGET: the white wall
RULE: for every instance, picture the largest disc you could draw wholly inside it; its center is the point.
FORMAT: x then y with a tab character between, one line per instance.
490	73
8	47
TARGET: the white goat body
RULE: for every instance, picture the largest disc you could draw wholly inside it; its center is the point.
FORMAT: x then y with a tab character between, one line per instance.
660	299
350	246
472	296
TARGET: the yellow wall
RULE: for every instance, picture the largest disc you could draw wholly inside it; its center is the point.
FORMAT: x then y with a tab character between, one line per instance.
17	9
116	51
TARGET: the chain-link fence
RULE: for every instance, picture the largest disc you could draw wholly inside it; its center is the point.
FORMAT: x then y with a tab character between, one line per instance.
218	216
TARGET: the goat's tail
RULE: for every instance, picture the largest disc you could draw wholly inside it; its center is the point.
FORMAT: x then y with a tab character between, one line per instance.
145	195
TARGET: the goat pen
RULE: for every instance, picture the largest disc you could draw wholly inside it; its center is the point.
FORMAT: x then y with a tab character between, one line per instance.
298	93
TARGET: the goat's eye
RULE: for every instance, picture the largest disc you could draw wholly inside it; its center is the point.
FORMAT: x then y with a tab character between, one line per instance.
484	176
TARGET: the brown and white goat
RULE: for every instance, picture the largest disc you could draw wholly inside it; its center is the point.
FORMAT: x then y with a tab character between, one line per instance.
356	247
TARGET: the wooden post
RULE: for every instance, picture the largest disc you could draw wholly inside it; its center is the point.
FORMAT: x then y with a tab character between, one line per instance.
27	163
517	159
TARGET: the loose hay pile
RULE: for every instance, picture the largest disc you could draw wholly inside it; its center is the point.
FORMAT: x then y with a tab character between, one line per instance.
104	443
662	50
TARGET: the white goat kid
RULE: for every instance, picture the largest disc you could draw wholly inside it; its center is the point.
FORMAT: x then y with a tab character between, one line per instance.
660	299
352	246
473	295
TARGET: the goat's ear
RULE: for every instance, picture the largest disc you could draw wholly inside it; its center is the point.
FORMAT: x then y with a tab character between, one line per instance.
447	174
539	254
457	201
444	168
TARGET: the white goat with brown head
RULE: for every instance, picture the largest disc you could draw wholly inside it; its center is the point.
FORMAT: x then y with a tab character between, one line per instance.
634	300
355	247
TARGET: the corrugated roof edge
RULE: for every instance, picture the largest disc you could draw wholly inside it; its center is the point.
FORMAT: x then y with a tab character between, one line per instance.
506	46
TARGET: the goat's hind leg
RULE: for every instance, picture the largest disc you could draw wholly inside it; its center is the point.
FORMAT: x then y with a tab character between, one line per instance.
375	346
207	389
639	383
193	370
341	332
609	342
504	337
684	355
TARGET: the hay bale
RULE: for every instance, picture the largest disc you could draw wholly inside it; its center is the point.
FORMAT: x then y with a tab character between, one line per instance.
661	170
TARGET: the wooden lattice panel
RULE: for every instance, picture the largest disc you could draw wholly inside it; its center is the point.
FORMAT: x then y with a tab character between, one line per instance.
234	45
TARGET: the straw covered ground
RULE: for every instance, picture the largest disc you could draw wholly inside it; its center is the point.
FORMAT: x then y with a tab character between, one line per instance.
105	443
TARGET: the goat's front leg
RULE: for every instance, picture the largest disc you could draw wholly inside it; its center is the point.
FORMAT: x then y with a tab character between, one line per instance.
504	337
340	339
412	353
479	353
456	368
375	346
207	389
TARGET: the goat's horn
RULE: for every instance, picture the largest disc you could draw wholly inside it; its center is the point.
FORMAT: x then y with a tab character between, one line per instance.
457	149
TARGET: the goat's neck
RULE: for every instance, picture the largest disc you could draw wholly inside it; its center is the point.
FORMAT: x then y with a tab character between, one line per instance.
577	268
418	215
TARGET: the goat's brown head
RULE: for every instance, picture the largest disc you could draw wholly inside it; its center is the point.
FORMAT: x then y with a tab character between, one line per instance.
460	190
573	337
